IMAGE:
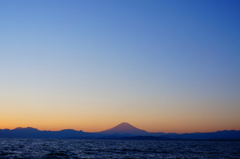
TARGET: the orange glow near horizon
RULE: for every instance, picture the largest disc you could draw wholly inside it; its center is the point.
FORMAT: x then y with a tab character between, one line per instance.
97	116
174	126
98	129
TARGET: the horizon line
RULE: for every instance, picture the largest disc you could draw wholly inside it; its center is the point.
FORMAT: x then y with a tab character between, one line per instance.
110	128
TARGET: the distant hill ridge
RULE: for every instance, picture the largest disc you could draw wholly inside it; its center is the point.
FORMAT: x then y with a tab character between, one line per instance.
27	128
121	131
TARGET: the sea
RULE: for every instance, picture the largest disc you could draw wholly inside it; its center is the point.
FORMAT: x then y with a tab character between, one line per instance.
165	149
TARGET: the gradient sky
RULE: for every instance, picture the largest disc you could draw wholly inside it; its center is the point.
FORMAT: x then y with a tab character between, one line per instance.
162	66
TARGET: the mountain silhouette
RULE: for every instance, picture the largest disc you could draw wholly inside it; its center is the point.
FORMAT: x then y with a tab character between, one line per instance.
25	129
122	131
125	128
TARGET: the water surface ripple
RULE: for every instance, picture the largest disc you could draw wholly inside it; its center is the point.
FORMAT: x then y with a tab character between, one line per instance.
171	149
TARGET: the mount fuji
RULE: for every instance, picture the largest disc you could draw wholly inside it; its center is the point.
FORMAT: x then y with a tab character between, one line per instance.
125	128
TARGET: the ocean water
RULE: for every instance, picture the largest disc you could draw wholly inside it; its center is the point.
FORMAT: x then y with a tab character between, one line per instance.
174	149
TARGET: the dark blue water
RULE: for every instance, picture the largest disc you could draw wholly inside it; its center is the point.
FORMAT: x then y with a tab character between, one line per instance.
46	148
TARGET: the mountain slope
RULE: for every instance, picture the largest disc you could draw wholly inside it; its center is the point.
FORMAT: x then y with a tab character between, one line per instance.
121	131
125	128
35	133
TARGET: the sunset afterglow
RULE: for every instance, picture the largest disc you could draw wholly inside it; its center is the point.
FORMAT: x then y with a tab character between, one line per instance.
90	65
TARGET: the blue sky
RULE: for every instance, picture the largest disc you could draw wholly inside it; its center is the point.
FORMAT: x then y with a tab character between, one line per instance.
161	58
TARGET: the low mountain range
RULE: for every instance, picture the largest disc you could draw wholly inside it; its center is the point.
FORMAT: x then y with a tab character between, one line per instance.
121	131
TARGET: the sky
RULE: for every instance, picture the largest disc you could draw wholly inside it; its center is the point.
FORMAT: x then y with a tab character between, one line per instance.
162	66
